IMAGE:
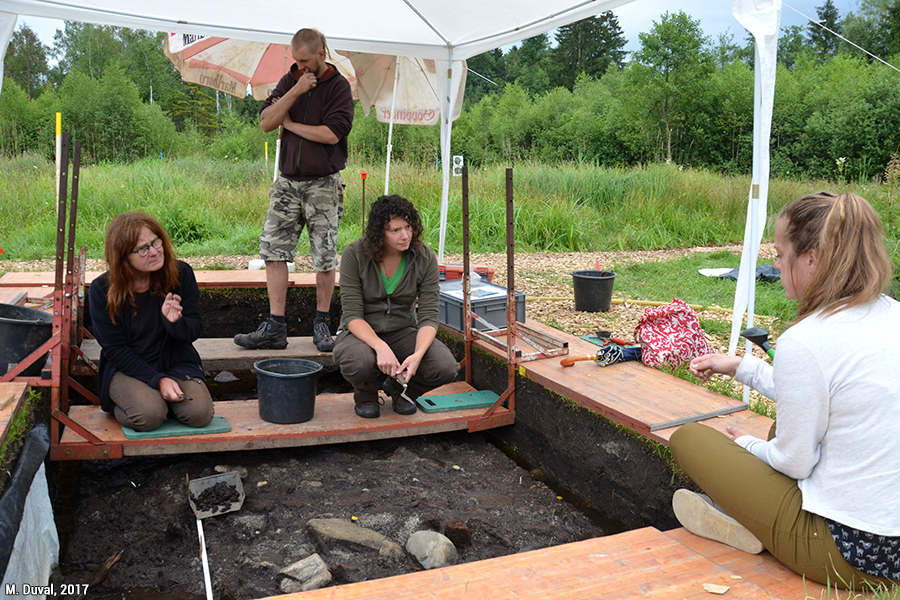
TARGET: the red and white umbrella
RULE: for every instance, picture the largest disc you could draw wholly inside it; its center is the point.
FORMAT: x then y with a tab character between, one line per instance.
230	65
402	90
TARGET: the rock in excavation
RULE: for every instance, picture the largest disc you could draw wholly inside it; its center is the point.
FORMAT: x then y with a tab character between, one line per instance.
458	533
391	551
311	573
242	471
432	549
339	530
225	377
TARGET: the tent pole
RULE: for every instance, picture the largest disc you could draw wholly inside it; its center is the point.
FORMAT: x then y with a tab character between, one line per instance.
390	146
447	103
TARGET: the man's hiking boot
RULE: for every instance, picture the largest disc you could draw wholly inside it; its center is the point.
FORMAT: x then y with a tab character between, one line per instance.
322	336
270	334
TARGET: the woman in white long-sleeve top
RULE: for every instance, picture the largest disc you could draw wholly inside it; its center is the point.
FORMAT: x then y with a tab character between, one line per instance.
822	494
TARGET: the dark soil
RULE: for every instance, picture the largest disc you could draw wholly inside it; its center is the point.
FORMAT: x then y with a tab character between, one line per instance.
395	487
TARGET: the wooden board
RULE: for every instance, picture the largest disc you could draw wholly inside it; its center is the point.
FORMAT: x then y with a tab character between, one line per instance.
205	279
638	397
334	421
644	563
11	396
222	354
13	296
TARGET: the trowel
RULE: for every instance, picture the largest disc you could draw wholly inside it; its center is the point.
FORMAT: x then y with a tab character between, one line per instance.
760	337
195	488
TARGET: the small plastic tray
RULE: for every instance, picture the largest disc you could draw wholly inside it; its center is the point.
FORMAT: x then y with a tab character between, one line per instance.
197	486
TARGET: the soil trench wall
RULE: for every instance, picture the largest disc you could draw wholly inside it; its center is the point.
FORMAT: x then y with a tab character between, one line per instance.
611	469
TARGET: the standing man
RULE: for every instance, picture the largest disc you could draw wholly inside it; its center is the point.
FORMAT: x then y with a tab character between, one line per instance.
315	105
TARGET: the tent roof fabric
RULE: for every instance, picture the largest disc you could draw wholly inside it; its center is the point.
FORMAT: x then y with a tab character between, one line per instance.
434	29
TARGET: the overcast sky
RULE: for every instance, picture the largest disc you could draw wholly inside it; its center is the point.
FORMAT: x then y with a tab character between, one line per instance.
638	16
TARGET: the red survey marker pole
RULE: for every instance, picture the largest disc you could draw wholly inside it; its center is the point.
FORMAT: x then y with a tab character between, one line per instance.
363	175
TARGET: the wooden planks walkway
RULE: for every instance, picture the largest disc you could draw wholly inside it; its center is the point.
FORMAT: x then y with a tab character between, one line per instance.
644	563
333	422
207	278
221	354
646	400
11	396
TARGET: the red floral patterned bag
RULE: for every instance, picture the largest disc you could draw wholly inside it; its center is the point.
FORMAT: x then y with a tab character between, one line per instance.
670	335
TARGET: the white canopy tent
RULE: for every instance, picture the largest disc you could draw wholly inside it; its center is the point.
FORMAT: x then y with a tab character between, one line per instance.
448	32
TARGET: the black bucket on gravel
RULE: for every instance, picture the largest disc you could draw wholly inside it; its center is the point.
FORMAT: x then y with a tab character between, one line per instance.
22	331
287	389
593	290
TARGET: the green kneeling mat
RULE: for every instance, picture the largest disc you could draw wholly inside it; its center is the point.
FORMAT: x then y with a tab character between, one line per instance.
171	428
482	399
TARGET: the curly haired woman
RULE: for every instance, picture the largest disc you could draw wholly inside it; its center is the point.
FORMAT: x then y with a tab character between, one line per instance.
390	305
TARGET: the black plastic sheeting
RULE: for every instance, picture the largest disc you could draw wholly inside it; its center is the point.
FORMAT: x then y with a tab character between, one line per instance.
767	273
12	503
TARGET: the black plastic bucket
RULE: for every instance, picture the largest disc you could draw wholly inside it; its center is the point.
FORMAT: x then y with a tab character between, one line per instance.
22	331
593	290
287	389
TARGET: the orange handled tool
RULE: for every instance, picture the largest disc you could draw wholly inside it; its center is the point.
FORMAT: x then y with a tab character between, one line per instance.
571	360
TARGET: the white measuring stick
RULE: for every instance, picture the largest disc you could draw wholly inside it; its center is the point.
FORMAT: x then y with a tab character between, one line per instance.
206	580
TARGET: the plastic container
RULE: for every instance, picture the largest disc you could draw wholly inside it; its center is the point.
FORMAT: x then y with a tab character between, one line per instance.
487	300
22	331
287	389
593	290
454	272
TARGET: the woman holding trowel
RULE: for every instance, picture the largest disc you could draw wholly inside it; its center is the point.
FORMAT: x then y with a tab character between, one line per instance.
390	306
146	314
823	493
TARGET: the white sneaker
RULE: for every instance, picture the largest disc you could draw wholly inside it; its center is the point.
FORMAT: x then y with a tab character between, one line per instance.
697	514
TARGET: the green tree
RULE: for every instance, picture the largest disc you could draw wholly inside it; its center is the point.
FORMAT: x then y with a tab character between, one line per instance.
669	75
790	45
890	28
589	46
824	43
26	61
489	65
727	52
195	108
87	48
154	75
530	64
868	28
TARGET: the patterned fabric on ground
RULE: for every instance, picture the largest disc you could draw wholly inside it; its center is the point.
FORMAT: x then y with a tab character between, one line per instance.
872	554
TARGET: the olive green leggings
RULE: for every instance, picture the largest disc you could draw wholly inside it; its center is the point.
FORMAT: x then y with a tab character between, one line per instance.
766	502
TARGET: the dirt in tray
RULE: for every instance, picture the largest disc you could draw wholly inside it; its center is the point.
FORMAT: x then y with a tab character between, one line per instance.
394	487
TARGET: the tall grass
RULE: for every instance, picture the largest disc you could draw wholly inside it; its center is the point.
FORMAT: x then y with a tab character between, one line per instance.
217	206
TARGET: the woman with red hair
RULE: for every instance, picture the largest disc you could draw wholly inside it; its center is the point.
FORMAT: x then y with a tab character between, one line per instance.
146	314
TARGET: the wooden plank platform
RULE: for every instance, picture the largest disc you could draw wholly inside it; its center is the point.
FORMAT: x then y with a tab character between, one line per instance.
644	563
333	422
638	397
221	354
13	296
208	278
11	396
